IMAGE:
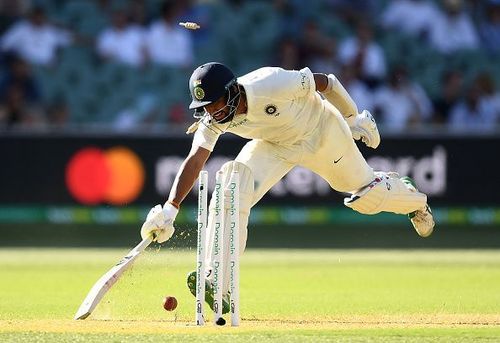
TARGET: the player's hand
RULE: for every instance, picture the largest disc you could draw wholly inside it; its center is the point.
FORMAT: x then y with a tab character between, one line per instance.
160	223
364	127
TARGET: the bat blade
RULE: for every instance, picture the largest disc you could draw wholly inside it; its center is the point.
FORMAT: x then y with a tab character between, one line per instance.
105	282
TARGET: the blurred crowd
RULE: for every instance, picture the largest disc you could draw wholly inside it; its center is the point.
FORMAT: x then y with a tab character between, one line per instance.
125	64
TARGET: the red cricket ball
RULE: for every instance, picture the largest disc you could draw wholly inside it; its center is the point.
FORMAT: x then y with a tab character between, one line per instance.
169	303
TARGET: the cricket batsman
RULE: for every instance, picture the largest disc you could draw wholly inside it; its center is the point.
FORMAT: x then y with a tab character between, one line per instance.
293	118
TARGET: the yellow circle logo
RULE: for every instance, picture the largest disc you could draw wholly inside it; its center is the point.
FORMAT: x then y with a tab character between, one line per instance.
199	93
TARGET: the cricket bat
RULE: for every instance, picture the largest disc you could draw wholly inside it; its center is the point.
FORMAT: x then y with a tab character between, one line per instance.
107	281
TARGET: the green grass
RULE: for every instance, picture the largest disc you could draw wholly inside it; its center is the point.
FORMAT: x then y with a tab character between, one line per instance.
286	296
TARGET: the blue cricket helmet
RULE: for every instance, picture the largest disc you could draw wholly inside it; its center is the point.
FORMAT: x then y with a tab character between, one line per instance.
208	83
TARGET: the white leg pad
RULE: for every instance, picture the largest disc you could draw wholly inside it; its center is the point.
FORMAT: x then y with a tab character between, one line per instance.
386	193
245	201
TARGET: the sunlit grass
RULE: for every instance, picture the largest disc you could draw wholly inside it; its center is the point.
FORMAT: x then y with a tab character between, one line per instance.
286	295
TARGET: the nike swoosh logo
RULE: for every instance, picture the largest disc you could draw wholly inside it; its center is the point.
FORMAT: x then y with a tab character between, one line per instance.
335	161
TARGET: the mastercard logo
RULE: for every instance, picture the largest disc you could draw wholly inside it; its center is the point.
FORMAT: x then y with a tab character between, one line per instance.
114	176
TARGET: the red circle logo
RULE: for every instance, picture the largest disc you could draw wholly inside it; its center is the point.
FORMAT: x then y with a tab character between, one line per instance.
115	176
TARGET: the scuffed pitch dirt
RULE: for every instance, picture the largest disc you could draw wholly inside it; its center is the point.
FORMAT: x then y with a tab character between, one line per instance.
252	324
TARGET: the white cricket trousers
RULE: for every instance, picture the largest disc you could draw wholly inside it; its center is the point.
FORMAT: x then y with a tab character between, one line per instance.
329	151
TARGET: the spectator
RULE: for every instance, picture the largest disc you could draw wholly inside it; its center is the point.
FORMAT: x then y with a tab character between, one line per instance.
11	11
19	94
454	29
16	111
19	74
122	42
490	27
290	17
168	43
489	94
34	39
199	12
475	112
288	55
365	54
452	84
402	102
144	107
349	10
412	17
317	50
138	11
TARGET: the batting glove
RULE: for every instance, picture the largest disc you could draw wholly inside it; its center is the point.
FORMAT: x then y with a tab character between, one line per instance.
364	127
160	223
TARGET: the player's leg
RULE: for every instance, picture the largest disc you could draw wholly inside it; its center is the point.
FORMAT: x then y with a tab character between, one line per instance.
246	193
388	192
333	155
339	161
422	219
260	166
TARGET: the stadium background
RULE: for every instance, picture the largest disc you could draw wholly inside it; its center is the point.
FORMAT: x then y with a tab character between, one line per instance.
89	143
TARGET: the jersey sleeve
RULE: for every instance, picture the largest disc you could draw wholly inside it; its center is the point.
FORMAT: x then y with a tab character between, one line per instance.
205	137
302	82
280	83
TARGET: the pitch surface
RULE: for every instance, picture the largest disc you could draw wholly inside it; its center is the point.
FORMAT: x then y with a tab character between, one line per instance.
286	296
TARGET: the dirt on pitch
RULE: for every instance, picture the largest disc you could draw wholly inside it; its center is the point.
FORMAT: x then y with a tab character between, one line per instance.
252	324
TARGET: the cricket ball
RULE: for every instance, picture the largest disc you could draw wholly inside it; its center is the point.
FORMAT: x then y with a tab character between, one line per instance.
169	303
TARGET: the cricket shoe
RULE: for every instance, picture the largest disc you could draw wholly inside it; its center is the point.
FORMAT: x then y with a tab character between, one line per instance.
209	292
422	219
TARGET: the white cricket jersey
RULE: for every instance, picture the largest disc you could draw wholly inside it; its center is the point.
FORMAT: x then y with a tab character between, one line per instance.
283	107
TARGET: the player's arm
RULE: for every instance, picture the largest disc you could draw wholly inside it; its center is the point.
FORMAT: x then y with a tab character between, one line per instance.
362	124
336	94
159	223
187	174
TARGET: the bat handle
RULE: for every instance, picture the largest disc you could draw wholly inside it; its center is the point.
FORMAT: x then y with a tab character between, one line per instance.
143	244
